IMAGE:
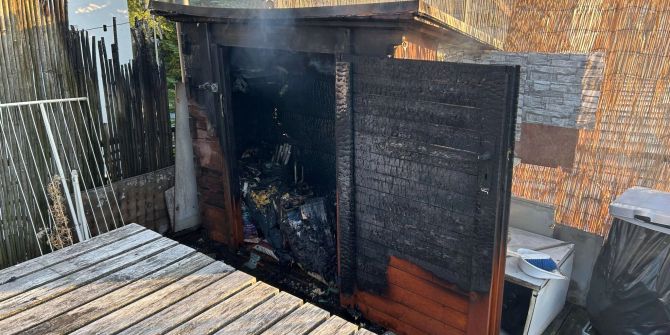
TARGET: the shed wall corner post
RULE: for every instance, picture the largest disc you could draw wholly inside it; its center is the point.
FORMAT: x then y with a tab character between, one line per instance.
344	141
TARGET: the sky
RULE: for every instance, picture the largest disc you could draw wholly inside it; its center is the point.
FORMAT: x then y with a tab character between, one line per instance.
93	14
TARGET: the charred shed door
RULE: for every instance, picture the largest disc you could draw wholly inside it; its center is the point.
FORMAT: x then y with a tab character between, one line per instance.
424	164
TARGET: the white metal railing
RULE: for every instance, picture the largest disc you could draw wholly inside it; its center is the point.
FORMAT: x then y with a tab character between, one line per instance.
40	140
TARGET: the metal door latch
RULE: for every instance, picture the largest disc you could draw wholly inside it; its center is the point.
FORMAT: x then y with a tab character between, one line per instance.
484	157
212	87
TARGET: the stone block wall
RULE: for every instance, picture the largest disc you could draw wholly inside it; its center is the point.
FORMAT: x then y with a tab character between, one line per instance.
559	90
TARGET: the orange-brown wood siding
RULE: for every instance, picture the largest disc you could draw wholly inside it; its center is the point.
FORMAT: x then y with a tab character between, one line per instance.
221	224
416	302
415	48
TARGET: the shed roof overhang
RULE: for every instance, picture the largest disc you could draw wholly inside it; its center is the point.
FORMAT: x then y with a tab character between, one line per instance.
388	10
398	14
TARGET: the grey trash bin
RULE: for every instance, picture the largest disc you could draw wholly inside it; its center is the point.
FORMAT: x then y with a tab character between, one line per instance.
630	287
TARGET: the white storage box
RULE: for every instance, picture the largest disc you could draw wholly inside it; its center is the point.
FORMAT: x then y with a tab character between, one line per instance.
644	207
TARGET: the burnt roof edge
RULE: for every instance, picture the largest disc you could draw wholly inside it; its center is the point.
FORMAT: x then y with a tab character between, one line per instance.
390	10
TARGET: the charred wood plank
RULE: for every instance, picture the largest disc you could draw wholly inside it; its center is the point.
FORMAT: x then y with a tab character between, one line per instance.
344	148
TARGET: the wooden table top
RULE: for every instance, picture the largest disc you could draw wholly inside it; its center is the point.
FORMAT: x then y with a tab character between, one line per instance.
134	281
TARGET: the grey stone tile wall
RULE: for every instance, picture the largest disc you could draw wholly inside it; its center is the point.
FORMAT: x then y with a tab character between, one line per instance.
556	89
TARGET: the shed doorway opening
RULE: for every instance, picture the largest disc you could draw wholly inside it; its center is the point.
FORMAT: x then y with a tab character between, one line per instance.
284	133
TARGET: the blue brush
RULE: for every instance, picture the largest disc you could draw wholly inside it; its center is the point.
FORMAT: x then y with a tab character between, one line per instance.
546	264
536	259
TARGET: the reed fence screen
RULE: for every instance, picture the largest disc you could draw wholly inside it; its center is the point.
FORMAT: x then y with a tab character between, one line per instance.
630	142
43	59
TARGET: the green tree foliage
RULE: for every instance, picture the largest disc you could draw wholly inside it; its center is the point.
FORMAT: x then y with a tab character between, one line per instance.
168	47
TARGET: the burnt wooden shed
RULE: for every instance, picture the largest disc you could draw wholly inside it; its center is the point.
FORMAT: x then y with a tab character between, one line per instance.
418	153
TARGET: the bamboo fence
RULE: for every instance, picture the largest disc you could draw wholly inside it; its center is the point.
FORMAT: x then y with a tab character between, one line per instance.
630	143
32	46
42	58
139	134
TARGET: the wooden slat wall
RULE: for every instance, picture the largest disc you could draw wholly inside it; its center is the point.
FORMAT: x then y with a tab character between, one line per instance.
27	30
52	62
484	20
630	143
416	302
141	199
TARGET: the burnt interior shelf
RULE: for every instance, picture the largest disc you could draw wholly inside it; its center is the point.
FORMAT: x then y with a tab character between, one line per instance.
134	281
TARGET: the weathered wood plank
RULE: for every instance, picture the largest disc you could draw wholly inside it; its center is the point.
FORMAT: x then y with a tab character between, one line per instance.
182	311
227	311
151	304
263	316
80	278
83	261
301	321
364	332
111	313
335	326
418	132
419	111
143	199
146	284
94	310
20	270
87	293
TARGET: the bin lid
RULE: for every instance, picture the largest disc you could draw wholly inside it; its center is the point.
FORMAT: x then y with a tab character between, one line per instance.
645	207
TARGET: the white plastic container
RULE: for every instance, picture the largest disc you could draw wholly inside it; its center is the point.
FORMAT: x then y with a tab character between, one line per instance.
644	207
524	254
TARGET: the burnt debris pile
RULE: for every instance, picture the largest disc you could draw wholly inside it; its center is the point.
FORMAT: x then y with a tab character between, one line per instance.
284	117
284	217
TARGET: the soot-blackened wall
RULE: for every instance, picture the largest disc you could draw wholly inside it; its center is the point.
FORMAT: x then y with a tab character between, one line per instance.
404	190
310	118
281	97
431	161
